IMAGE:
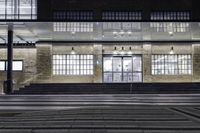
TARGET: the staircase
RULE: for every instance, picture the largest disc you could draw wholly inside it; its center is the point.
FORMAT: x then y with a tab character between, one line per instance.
109	88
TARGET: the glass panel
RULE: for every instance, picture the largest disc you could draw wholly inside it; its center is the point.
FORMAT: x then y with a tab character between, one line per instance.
117	77
107	64
2	65
171	64
107	77
137	64
117	64
127	77
2	9
137	77
25	9
127	64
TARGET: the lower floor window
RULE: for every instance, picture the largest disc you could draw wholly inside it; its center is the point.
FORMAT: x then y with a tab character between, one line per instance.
171	64
72	64
16	65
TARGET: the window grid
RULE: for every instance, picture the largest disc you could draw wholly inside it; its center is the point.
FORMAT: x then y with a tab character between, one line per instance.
122	15
18	9
177	27
73	15
17	65
171	64
167	15
73	27
73	65
127	26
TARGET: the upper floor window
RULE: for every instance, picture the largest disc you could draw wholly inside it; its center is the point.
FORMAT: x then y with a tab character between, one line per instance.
168	15
18	9
122	15
173	27
73	27
73	15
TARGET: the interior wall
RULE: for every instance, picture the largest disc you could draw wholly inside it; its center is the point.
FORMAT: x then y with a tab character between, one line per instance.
28	55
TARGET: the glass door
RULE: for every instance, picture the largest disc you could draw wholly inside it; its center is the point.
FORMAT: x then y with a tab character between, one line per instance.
127	69
117	69
122	69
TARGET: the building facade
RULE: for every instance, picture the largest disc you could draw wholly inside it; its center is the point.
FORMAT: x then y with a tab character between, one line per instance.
74	41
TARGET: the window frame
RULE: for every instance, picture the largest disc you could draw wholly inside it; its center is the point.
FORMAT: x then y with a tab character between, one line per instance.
13	12
83	66
5	66
177	64
122	15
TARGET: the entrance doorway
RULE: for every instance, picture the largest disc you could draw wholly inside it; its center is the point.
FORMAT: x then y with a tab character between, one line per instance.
122	68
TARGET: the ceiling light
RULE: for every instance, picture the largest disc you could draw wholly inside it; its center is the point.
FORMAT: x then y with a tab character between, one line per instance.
73	32
130	51
172	50
115	33
129	33
122	52
115	51
72	52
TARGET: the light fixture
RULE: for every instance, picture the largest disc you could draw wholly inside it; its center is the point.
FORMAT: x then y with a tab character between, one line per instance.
114	33
115	51
170	33
172	50
121	32
130	51
72	52
129	33
122	52
73	32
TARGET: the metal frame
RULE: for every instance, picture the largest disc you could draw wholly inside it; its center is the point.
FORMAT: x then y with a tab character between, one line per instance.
13	70
122	56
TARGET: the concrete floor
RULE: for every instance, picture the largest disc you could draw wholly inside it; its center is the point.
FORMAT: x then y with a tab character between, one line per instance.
100	114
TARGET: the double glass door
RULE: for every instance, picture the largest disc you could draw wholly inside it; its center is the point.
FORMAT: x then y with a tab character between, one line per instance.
122	68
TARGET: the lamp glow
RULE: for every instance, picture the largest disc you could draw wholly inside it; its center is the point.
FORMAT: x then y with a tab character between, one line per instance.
72	52
172	50
115	51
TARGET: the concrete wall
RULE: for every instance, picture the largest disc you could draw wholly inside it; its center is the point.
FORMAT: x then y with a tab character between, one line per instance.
196	62
28	55
44	62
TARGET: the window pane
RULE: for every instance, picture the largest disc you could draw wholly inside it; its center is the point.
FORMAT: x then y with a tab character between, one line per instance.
17	65
72	65
171	64
107	64
2	65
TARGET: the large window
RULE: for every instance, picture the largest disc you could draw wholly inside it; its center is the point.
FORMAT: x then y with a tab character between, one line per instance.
170	15
73	27
126	26
73	15
18	9
17	65
171	64
122	15
170	27
177	27
73	64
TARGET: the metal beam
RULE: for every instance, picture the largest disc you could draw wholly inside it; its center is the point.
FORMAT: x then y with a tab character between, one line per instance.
9	87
